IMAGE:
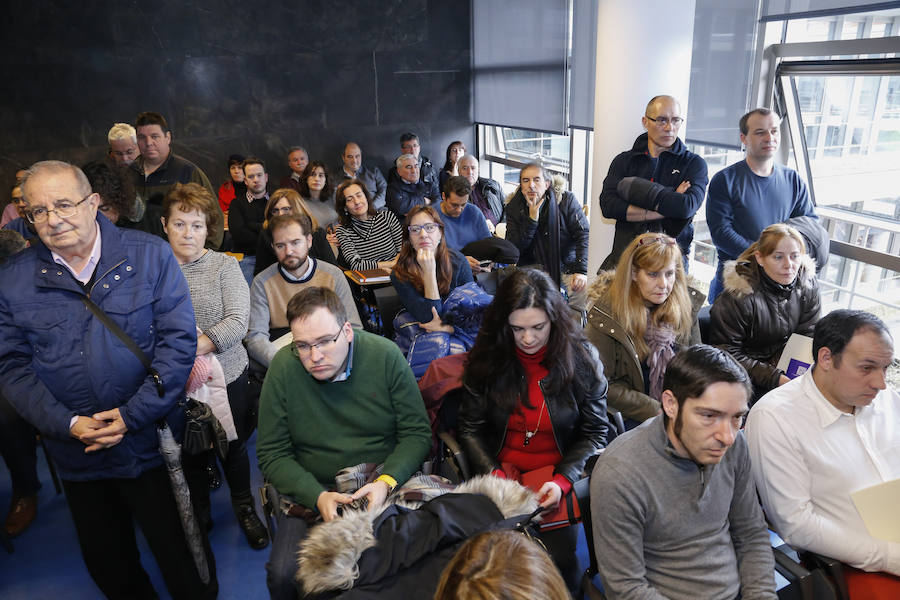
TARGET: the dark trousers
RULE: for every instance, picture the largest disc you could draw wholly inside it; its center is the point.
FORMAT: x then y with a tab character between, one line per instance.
282	566
105	512
237	464
561	545
17	446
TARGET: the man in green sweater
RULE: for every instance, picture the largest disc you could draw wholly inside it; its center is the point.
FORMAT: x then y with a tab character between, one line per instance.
336	397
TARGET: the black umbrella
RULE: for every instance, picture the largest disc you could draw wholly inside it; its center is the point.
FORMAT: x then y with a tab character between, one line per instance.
171	453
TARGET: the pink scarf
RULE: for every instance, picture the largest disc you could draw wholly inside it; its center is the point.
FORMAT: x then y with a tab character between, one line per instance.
660	340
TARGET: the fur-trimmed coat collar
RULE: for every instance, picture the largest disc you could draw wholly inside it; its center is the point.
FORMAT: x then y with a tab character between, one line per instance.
743	278
328	557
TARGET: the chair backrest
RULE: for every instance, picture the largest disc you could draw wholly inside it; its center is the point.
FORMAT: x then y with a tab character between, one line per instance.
389	304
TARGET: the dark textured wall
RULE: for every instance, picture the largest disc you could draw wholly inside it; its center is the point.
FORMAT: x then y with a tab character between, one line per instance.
252	77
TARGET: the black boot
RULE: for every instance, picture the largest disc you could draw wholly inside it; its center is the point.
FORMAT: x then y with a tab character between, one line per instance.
254	530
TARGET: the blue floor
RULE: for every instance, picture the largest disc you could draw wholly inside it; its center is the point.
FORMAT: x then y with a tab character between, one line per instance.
47	563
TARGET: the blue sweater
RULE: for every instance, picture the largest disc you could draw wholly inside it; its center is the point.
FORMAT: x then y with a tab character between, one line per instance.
741	204
469	226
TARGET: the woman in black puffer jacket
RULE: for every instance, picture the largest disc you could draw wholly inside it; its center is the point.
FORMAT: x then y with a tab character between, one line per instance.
770	292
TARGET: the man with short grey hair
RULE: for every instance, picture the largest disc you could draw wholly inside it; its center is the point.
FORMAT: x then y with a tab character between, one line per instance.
487	194
408	189
352	167
123	147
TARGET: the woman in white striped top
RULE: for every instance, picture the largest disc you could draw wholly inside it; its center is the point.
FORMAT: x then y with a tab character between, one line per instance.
369	239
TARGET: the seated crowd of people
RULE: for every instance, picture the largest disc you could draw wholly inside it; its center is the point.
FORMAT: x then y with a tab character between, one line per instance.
134	297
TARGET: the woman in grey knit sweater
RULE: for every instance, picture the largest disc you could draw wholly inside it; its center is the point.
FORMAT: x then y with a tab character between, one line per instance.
221	302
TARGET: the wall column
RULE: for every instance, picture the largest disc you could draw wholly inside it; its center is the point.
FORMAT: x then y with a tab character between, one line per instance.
643	50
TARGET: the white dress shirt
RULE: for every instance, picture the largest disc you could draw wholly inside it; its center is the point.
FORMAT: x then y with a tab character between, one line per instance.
808	456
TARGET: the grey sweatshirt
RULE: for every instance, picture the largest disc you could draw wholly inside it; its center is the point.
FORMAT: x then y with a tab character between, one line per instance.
665	527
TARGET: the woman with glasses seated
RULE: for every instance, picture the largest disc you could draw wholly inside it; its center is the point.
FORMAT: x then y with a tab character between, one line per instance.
427	270
285	201
369	238
534	407
221	302
642	314
770	292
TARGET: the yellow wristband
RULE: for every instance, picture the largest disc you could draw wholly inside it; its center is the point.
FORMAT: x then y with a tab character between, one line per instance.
392	483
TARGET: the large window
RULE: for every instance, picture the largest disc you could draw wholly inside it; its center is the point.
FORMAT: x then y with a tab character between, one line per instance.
507	150
837	83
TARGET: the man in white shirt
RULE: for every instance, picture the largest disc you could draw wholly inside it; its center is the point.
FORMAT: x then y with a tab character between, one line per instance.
822	436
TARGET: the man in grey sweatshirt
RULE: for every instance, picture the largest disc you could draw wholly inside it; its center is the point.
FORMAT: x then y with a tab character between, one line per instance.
673	503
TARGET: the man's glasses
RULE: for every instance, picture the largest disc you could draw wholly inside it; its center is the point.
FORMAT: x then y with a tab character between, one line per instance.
428	227
63	209
649	241
663	121
303	349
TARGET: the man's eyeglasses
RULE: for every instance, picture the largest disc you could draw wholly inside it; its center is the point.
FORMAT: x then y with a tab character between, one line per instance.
428	227
649	241
63	209
303	349
663	121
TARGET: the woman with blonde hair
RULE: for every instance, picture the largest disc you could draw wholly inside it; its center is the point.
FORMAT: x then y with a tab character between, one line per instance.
285	201
501	565
642	313
770	292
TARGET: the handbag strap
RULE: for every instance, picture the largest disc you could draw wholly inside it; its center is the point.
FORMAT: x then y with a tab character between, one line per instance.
126	339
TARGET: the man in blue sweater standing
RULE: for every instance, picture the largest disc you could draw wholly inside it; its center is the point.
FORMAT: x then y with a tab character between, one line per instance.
748	196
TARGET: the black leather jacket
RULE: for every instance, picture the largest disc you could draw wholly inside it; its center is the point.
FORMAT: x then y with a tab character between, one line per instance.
579	425
754	317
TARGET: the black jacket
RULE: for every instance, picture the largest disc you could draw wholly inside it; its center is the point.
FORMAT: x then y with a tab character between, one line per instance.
654	189
579	425
492	193
403	196
533	239
754	317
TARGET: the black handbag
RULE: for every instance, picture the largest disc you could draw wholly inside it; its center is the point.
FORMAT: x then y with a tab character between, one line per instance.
202	429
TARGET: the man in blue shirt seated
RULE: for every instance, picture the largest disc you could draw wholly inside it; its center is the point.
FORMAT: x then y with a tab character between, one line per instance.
748	196
466	229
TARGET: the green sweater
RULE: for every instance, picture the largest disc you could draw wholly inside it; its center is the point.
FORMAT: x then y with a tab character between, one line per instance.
309	430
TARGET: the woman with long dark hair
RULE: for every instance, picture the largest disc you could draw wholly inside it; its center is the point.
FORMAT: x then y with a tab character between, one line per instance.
642	314
427	270
535	398
455	151
317	190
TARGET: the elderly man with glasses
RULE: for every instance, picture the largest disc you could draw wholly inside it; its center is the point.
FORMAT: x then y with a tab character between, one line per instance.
95	403
657	186
337	397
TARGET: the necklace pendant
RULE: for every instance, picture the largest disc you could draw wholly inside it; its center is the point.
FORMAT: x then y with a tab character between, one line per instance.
528	436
